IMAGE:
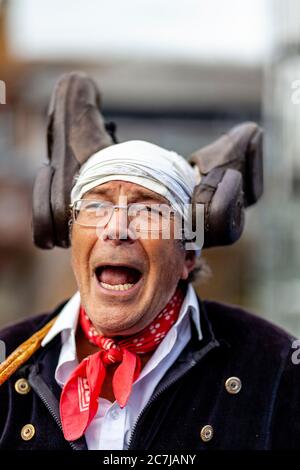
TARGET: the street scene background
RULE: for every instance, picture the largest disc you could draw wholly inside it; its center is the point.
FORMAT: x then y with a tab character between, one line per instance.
175	73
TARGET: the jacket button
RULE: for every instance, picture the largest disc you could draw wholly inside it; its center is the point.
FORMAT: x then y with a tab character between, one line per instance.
22	386
206	433
233	385
27	432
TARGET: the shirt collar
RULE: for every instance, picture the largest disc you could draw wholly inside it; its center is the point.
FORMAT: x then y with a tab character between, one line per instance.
66	325
68	317
191	301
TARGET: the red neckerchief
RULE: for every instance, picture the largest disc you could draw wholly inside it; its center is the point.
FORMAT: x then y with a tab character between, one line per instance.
79	398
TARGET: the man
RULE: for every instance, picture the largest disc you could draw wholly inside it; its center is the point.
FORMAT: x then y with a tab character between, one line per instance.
134	360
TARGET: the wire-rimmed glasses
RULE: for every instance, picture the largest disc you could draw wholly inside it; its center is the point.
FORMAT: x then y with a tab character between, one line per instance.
147	218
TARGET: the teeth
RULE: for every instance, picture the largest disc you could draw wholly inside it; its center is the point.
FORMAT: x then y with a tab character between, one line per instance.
116	286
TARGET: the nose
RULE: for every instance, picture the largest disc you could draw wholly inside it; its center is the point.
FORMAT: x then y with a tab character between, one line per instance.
117	230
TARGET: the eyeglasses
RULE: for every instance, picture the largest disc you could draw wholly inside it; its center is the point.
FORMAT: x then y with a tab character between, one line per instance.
142	217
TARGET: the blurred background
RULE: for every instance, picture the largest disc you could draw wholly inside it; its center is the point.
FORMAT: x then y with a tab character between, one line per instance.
175	73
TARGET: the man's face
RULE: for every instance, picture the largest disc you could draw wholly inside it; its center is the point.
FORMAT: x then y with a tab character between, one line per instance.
147	269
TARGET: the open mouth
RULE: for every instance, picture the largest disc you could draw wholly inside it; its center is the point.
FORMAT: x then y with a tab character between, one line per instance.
117	278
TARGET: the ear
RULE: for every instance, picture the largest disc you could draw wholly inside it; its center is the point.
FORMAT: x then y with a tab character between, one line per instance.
189	263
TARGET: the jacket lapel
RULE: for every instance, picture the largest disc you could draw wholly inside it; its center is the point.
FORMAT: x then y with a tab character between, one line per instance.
41	378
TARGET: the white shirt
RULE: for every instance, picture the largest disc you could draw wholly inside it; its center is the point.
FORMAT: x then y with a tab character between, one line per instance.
111	427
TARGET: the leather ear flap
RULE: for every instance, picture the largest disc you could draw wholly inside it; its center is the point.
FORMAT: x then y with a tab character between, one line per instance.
253	171
222	196
231	178
227	215
76	130
42	221
240	149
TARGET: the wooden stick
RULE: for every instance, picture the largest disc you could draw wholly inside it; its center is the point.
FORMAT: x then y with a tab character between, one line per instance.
23	352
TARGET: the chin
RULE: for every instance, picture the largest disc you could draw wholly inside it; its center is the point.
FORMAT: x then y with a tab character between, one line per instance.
115	323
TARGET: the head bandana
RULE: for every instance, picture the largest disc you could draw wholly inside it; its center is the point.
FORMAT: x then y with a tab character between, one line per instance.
148	165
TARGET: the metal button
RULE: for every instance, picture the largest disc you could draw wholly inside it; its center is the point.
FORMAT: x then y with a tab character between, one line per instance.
233	385
27	432
22	386
206	433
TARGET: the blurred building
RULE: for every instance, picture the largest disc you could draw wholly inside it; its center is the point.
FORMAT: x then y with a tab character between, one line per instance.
178	77
277	264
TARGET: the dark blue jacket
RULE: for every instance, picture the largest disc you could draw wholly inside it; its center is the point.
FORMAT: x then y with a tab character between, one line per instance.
264	414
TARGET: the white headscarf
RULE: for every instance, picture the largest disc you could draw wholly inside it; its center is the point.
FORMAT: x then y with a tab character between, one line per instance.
160	170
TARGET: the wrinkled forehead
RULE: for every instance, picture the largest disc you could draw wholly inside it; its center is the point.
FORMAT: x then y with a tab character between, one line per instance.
158	170
114	190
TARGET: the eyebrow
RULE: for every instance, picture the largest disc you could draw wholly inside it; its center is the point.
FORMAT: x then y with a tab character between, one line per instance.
138	194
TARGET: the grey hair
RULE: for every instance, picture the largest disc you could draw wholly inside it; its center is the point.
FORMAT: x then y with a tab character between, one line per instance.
201	272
